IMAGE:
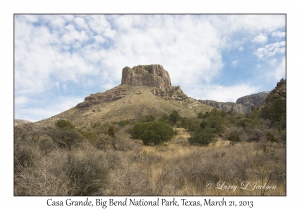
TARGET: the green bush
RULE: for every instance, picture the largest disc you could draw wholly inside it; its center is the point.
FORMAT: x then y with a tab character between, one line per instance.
139	129
174	117
246	122
153	132
203	137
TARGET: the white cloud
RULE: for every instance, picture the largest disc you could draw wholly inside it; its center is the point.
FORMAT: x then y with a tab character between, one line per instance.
234	62
75	48
223	93
271	50
278	34
80	23
260	39
38	113
280	70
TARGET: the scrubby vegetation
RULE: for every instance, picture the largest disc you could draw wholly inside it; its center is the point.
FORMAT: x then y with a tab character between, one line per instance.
155	155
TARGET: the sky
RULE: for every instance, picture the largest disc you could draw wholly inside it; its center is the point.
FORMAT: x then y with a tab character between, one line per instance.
61	59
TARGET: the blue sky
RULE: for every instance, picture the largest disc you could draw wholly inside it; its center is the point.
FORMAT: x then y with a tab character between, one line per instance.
60	59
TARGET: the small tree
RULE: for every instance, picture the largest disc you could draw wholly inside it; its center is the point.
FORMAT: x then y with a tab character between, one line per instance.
174	117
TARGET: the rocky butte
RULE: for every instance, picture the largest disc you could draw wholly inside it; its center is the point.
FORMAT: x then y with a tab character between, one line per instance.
144	90
149	75
154	76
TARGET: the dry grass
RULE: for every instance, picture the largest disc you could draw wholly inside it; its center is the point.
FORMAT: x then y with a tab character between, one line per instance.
173	168
180	169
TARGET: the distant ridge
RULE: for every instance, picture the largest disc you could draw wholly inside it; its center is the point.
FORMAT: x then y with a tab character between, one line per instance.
243	105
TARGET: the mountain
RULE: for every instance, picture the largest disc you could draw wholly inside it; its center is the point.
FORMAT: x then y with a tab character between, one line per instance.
144	90
243	105
228	106
279	92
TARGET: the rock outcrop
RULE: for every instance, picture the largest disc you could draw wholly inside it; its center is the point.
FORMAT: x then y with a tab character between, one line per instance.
150	75
278	92
228	106
254	99
109	95
155	76
243	105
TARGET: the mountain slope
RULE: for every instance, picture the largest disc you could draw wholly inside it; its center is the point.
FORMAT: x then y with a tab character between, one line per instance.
144	90
279	92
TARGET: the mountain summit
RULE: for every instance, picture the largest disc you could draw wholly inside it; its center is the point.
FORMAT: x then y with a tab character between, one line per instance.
150	75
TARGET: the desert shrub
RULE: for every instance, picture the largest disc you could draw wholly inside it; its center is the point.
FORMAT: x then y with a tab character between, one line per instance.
270	137
88	173
190	123
234	137
138	130
215	122
64	124
203	137
46	144
213	119
254	135
24	155
277	136
246	122
148	118
40	181
157	132
65	138
26	147
90	135
238	130
174	117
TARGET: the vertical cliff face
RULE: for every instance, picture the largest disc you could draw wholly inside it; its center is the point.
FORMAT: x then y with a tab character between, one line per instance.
254	99
242	105
150	75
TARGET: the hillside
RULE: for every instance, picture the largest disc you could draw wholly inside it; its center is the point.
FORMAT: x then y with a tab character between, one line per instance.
20	121
143	90
279	92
